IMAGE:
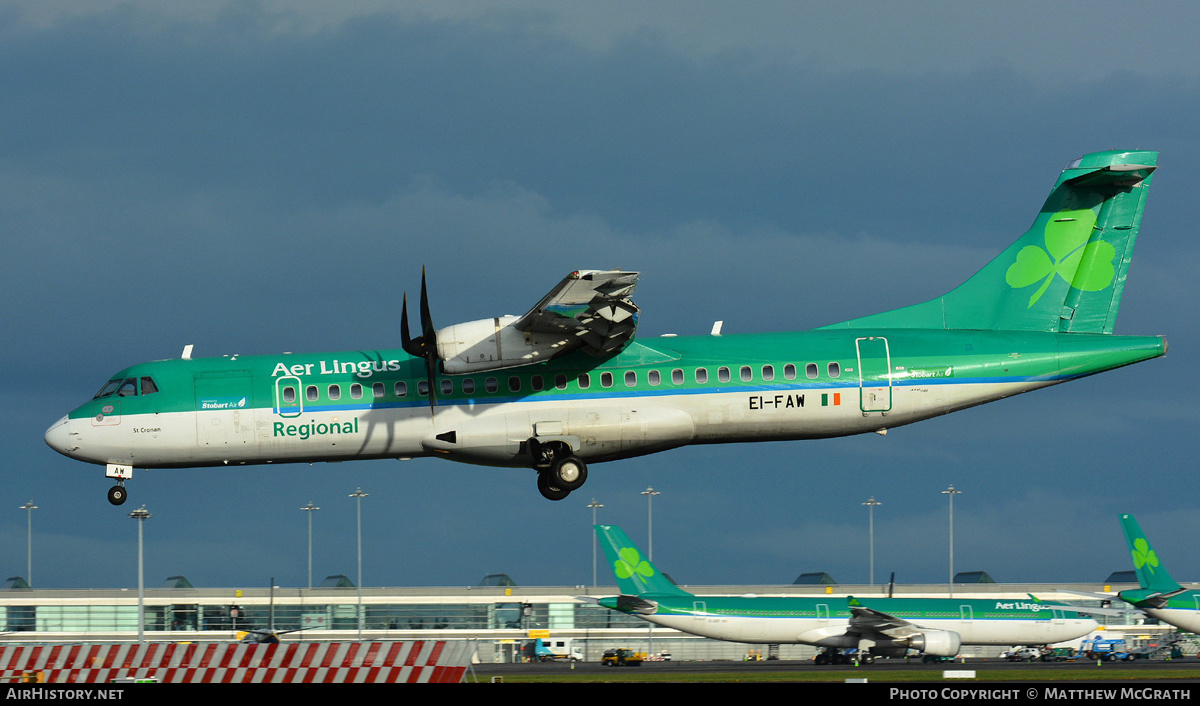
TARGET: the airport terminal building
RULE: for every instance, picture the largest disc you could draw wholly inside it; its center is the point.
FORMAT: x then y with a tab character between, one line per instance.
499	618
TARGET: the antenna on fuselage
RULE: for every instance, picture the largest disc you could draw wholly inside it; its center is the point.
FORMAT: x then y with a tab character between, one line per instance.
716	329
187	352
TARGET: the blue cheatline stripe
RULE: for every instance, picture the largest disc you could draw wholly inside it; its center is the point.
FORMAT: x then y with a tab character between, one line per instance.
611	393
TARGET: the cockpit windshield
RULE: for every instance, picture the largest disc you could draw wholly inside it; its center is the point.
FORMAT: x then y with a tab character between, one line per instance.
127	387
109	388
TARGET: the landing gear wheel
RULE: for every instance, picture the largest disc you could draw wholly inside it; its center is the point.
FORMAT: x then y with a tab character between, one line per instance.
568	473
117	494
548	491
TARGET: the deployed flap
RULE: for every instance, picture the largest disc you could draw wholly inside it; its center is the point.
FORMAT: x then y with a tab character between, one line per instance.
592	305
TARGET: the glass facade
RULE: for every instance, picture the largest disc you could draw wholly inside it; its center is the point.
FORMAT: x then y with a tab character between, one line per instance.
161	617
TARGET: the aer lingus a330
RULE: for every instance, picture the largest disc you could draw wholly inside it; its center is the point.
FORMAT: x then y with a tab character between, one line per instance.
567	384
873	626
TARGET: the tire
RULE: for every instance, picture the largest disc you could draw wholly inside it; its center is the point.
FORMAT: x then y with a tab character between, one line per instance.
117	495
548	491
568	473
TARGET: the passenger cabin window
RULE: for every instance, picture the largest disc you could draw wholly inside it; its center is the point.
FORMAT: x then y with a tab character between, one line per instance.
310	392
447	386
514	384
630	378
468	386
768	372
423	388
723	374
835	370
653	377
378	390
585	381
537	383
811	371
356	391
677	376
789	371
606	379
701	375
401	389
560	382
289	394
335	392
491	385
746	373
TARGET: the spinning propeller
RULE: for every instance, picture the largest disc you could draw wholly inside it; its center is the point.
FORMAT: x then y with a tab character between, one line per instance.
424	346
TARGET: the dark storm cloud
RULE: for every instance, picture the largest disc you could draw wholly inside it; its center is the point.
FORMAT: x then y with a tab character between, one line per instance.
232	183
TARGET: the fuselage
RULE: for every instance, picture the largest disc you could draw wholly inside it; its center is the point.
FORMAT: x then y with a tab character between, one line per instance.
1181	610
828	623
654	395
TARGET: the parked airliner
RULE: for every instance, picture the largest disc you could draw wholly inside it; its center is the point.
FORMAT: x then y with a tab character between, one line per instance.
873	626
1158	596
567	384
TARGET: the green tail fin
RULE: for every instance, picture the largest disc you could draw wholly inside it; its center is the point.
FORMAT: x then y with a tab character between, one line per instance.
1066	274
1150	572
635	575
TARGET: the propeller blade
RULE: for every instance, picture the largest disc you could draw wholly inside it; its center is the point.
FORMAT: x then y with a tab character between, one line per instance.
406	341
424	346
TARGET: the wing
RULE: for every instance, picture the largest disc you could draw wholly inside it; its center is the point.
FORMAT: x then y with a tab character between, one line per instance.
869	620
589	310
594	306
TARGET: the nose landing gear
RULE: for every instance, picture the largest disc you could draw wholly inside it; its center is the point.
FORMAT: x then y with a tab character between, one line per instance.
117	494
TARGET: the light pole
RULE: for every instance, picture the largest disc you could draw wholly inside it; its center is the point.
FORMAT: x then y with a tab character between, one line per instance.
29	541
595	506
951	492
650	492
141	515
358	495
871	505
310	509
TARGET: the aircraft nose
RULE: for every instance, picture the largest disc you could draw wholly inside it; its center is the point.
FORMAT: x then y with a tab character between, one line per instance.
58	437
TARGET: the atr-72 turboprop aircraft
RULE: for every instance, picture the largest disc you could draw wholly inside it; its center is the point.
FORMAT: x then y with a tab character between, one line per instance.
874	626
566	384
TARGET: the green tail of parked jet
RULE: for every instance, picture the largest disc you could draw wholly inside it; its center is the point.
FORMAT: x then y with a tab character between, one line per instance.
873	626
1160	596
567	385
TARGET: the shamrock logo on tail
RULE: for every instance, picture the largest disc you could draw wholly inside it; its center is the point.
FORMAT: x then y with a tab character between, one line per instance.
630	563
1087	266
1143	555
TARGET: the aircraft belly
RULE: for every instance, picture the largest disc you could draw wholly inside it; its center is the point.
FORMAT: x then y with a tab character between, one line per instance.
830	412
595	430
1184	619
756	630
1014	632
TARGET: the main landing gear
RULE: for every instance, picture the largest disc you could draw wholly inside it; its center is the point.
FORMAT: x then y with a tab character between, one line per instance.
117	494
559	470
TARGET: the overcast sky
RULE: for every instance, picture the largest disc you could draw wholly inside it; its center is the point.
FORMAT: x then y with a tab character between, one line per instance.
258	177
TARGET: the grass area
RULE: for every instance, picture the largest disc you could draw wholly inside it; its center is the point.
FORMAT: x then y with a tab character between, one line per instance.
630	676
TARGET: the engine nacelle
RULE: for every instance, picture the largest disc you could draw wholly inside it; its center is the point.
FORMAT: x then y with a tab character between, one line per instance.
494	344
939	643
